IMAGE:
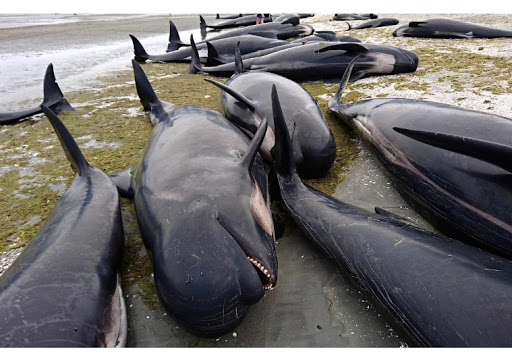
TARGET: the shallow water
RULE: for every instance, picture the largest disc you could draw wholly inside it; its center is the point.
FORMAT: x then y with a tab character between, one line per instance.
81	49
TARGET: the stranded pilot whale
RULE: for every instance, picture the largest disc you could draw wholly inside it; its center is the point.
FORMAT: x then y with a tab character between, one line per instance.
244	20
245	101
442	291
319	61
200	193
376	23
248	44
52	98
463	196
64	289
283	30
448	28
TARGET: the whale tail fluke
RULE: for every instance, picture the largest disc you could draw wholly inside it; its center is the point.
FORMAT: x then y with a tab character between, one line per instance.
52	95
282	152
74	155
174	38
249	157
494	153
195	62
349	26
139	51
335	103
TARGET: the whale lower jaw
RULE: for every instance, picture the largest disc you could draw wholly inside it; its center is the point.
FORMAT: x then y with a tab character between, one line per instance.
117	331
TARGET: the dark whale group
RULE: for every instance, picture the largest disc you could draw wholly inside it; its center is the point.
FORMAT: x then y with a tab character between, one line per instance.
201	192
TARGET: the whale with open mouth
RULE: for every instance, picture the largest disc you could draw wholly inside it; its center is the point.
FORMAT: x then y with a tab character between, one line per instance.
201	197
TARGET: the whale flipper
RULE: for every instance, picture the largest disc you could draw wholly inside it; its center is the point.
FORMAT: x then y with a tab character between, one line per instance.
124	181
495	153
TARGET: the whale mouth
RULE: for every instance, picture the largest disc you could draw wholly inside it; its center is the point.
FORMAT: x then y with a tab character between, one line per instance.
268	280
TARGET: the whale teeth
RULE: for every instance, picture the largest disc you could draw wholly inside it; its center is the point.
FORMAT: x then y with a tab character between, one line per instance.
263	270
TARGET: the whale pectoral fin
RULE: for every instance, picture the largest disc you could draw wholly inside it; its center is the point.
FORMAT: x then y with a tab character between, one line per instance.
124	181
454	34
264	34
356	76
391	215
495	153
348	47
417	24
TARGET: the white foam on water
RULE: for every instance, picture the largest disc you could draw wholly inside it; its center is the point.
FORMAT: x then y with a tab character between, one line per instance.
77	66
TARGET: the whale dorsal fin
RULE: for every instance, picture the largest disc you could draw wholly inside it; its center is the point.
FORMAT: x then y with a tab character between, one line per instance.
255	145
282	152
237	95
140	53
335	102
239	64
174	38
213	58
195	62
52	95
494	153
74	155
145	90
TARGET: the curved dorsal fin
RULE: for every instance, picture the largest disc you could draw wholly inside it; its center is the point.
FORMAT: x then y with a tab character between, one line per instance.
213	56
254	146
282	152
147	95
494	153
74	155
239	65
238	96
140	53
335	102
195	62
174	38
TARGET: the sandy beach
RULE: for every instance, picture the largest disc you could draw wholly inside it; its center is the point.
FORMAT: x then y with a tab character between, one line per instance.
314	304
